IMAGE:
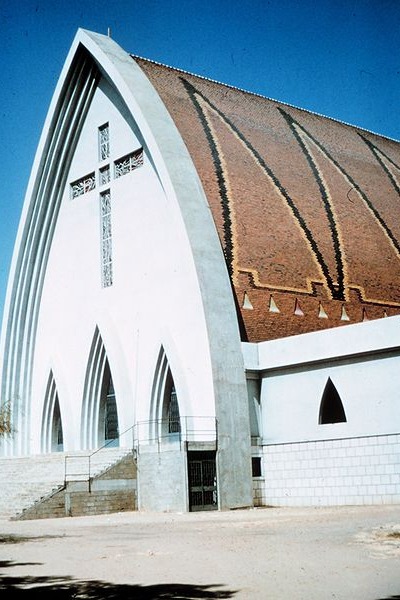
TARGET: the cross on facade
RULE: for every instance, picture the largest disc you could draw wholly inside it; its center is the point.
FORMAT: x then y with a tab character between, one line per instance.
87	183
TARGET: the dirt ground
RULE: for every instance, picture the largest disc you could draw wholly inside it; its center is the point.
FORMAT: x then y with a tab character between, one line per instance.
348	553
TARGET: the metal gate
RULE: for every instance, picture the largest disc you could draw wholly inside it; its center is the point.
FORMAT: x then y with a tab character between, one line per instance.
202	474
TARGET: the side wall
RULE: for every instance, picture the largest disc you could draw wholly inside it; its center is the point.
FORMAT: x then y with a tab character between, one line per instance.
356	461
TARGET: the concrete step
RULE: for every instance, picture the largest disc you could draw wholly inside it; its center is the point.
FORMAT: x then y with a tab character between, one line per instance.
25	480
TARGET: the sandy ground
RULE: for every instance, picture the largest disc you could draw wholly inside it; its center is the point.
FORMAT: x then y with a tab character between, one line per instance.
265	554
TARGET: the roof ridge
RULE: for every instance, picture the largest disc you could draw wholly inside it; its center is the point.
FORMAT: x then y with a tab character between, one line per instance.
258	95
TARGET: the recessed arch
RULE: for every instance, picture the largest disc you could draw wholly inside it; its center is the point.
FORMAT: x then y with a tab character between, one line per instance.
331	409
165	413
99	408
52	437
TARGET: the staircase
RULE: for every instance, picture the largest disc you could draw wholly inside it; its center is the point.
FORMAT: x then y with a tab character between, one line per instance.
25	481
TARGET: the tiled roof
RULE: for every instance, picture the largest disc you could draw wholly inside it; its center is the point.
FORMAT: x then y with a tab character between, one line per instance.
307	208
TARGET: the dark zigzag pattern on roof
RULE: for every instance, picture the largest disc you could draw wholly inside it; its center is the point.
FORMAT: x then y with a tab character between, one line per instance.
376	151
192	91
363	195
339	291
219	172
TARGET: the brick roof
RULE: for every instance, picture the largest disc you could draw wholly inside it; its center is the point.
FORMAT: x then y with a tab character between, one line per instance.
307	208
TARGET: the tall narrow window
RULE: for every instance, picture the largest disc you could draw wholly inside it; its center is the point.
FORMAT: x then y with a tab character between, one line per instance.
57	444
171	416
331	408
174	425
106	239
104	142
104	175
52	439
111	417
108	414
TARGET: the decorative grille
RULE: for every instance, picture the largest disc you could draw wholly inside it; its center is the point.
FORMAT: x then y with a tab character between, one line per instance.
174	425
202	481
83	185
111	415
104	142
128	163
106	238
104	175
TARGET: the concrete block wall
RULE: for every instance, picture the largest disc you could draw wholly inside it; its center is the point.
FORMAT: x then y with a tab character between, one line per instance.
100	502
258	491
353	471
162	478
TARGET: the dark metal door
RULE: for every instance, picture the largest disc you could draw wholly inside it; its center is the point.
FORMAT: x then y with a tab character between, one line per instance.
202	481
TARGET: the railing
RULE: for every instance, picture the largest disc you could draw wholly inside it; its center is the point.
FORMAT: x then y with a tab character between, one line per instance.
182	431
84	470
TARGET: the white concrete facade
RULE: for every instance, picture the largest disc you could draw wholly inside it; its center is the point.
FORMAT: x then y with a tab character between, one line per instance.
169	307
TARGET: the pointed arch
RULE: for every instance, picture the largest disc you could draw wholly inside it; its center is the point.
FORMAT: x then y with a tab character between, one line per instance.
108	430
331	408
99	408
165	417
52	431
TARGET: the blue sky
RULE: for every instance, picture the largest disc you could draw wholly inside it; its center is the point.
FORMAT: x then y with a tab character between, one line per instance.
338	58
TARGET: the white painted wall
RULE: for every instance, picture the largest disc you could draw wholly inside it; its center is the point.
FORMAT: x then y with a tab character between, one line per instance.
362	361
154	300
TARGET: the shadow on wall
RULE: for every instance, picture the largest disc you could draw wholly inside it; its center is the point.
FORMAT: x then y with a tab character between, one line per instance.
66	588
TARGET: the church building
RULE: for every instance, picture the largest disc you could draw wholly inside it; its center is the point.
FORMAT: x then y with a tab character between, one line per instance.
211	279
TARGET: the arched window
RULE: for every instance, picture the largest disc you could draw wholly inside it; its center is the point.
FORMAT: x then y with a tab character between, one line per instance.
172	409
331	409
52	439
57	441
108	417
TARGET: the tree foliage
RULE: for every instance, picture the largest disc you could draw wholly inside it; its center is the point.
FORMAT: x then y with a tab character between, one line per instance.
6	427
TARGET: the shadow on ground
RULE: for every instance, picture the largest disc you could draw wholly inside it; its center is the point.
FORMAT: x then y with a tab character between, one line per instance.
64	588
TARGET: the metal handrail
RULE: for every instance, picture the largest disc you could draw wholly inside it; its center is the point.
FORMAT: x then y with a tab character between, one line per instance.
87	475
157	432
